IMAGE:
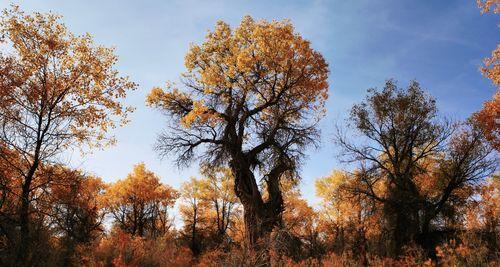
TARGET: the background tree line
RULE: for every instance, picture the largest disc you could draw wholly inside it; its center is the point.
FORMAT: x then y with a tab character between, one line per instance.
417	189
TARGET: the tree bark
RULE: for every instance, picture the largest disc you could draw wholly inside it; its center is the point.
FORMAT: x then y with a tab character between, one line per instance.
24	251
260	216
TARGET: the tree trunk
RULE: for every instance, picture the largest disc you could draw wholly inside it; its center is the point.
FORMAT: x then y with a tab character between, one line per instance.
24	250
260	217
24	246
259	223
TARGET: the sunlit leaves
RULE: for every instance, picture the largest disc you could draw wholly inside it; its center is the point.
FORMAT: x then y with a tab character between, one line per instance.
139	203
258	62
66	80
488	118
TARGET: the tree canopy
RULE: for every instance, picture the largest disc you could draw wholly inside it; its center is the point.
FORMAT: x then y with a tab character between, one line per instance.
252	97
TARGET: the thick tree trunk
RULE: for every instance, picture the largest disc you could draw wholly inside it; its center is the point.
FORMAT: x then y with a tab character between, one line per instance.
253	225
402	214
404	229
259	223
260	216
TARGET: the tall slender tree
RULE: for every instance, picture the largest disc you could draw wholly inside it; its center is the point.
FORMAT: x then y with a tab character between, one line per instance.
57	90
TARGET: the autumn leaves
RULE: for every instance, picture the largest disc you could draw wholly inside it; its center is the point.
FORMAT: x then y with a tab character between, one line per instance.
59	91
246	111
252	98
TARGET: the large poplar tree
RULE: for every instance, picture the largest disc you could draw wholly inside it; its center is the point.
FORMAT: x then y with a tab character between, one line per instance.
251	99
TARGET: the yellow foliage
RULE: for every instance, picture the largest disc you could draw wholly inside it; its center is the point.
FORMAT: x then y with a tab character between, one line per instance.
257	62
140	202
67	80
141	185
488	118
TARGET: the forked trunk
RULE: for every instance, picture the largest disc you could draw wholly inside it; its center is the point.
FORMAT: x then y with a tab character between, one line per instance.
260	216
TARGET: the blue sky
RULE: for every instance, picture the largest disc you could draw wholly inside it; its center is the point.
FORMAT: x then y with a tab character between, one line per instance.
439	43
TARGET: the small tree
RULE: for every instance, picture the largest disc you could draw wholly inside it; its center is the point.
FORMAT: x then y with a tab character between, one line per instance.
139	204
194	209
350	219
217	189
75	210
253	97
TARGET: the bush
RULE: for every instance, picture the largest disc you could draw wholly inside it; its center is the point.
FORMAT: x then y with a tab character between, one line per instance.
121	249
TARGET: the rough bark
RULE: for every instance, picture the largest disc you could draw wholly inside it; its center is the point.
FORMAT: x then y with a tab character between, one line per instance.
260	216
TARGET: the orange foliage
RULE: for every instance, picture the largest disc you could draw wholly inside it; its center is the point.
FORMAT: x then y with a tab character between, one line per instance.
75	202
487	5
58	91
61	77
139	203
222	64
342	209
488	120
121	249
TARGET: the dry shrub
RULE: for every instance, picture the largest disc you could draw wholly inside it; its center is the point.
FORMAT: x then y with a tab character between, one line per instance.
412	257
464	253
235	257
335	260
121	249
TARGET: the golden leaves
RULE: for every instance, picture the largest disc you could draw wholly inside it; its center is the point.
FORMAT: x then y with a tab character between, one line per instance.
141	186
342	206
258	60
174	101
63	77
326	186
199	114
491	68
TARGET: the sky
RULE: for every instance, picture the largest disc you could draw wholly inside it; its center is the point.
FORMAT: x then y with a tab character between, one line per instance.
439	43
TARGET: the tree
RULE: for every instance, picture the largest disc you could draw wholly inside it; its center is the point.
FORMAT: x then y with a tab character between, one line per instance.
139	204
193	210
252	99
208	208
299	236
405	146
57	90
9	191
348	219
488	119
483	215
75	210
217	188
